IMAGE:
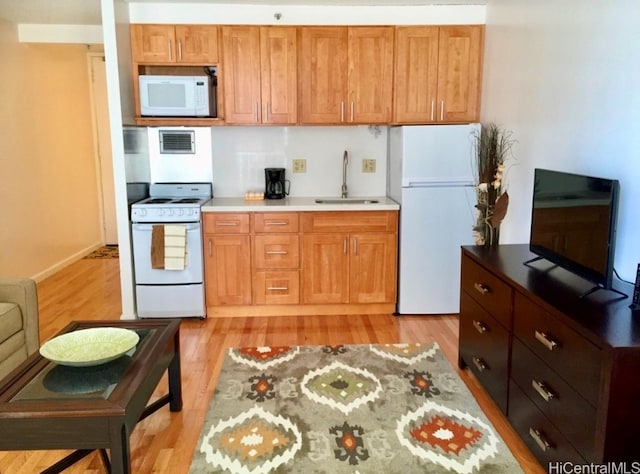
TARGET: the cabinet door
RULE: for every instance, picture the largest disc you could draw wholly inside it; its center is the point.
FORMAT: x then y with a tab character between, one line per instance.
459	73
228	270
325	268
372	268
241	73
153	43
323	74
370	81
279	74
416	74
197	44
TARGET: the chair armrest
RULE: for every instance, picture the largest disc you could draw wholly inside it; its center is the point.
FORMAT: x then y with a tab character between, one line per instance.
23	292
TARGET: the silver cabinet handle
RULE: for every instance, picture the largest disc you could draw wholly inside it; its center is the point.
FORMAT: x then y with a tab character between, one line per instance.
227	224
344	245
210	248
479	363
342	111
442	110
276	252
275	223
257	112
539	439
170	51
546	340
480	327
543	390
277	288
180	50
355	246
482	288
266	112
352	111
433	111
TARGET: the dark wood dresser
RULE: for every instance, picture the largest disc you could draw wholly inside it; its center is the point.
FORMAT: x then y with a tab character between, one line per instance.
565	370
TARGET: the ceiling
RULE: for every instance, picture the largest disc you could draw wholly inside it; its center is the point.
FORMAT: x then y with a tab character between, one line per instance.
87	12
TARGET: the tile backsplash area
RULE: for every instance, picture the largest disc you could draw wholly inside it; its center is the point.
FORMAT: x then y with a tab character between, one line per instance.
240	155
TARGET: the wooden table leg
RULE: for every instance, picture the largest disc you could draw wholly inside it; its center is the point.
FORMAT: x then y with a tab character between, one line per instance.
120	450
175	378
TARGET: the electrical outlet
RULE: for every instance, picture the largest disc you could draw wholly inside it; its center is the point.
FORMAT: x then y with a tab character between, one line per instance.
300	165
368	166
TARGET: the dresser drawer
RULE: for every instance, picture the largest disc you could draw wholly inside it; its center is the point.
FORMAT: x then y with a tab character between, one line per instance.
490	292
276	251
226	223
275	222
484	348
543	439
571	356
561	404
276	287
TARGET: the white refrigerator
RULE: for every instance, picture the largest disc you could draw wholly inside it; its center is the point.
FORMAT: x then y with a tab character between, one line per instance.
431	175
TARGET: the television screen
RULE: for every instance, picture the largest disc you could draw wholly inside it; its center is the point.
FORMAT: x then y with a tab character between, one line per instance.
573	223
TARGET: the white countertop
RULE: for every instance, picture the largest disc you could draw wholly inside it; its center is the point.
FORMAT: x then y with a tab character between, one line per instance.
298	204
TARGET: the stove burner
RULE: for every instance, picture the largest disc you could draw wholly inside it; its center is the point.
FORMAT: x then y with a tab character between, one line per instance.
187	200
157	201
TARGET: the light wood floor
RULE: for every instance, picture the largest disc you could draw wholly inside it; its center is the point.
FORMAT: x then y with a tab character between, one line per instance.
164	442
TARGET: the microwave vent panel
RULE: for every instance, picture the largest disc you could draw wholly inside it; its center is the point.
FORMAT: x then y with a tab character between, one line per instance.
182	142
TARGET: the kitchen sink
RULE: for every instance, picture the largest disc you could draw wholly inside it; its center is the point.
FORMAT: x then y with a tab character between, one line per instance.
346	201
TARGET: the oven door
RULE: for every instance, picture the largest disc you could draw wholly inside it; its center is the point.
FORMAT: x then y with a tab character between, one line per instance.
145	275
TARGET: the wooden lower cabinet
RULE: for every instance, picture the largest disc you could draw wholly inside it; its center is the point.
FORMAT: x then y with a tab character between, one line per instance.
228	269
274	263
563	367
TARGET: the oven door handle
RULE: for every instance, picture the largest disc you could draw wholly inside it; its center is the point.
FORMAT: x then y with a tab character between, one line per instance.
148	227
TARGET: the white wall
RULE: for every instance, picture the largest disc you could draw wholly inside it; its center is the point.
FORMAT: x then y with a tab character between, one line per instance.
240	155
564	76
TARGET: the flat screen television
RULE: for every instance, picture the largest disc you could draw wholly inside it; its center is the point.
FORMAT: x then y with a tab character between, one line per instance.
573	223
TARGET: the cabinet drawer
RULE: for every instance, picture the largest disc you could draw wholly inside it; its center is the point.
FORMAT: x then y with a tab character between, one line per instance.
490	292
571	356
563	406
484	348
275	222
543	439
276	251
276	287
226	223
350	221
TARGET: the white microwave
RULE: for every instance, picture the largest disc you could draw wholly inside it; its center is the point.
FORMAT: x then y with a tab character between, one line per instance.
176	96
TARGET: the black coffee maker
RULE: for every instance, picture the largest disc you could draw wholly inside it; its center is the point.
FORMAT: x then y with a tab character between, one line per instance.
275	183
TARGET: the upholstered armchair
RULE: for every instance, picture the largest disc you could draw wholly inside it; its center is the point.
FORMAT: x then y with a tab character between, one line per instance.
18	322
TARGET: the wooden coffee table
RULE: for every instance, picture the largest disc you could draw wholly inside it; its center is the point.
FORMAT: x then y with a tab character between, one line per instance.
44	405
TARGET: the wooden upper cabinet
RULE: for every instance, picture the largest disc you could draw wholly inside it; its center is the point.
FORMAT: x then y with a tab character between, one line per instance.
241	73
438	73
346	74
370	74
260	74
323	74
162	44
279	74
460	72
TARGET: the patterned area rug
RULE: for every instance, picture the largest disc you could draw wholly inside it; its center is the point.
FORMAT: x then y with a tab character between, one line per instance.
346	409
108	251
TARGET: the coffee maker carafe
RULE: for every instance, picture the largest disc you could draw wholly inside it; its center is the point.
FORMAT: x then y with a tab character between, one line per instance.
275	183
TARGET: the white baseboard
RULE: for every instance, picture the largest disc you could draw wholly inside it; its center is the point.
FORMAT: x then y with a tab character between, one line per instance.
38	277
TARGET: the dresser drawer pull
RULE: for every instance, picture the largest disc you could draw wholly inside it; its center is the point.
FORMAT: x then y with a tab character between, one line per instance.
479	363
546	341
542	390
277	288
482	288
480	327
539	439
275	223
276	252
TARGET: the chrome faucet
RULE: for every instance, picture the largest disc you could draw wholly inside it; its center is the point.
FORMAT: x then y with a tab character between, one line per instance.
345	162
